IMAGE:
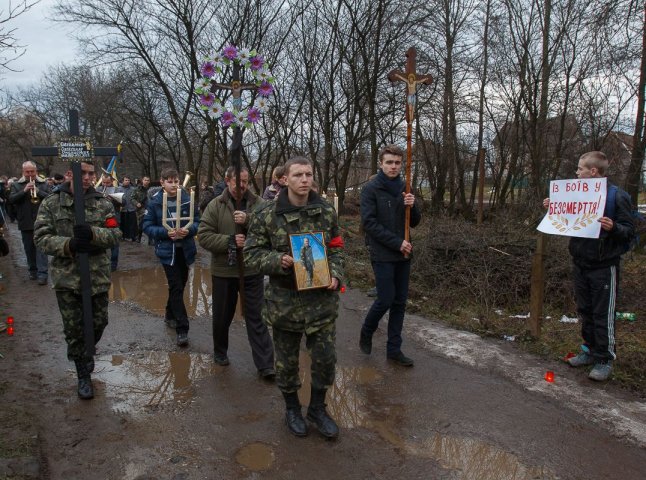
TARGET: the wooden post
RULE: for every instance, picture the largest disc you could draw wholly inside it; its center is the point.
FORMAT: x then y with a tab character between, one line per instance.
537	287
481	183
411	79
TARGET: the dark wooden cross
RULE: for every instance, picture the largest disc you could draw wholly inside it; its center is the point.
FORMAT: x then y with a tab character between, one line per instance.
237	87
79	212
411	79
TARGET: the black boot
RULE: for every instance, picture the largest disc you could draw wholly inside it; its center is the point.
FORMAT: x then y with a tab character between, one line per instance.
365	342
85	388
293	415
90	365
316	414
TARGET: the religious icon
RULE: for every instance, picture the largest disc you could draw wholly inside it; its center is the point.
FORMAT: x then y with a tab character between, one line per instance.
310	260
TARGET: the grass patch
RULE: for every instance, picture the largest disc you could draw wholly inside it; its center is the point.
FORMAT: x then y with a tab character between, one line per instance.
477	278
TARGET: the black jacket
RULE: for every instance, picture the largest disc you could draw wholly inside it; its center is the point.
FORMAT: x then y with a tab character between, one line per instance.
607	249
383	219
25	210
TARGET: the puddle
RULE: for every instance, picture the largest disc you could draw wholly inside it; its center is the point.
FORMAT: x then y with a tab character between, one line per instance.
148	287
256	456
476	460
468	458
146	381
344	402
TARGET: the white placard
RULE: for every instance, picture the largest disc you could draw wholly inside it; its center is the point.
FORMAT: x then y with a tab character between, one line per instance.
575	207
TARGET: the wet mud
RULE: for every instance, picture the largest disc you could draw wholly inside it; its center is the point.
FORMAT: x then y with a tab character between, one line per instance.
165	412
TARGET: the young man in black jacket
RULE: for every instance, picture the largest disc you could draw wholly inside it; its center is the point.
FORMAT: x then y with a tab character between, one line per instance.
383	204
596	273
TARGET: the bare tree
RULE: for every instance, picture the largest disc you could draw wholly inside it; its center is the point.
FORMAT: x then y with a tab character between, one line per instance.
10	47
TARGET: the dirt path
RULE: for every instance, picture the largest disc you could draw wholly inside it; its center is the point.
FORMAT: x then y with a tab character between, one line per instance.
469	409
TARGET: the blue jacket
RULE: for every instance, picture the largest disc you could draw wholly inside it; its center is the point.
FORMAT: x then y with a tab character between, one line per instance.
164	246
383	219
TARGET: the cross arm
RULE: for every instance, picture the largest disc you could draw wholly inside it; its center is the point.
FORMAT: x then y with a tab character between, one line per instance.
397	76
53	151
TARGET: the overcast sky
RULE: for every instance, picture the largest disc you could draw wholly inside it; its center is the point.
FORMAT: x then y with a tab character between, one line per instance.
47	43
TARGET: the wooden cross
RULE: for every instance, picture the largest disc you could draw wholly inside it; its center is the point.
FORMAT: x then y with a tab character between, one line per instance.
237	87
411	79
79	215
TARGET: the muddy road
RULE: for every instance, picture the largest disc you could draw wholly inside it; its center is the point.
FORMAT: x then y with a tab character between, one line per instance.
469	409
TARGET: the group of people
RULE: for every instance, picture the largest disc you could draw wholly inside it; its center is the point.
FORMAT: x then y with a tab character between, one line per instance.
249	238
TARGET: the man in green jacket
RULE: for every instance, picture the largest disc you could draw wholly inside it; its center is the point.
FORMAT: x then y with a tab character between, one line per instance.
293	313
222	231
56	234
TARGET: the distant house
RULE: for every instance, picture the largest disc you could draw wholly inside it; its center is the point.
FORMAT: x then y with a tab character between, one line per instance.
618	147
513	140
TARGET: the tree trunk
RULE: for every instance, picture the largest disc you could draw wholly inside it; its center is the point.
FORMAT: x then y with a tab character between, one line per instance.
634	177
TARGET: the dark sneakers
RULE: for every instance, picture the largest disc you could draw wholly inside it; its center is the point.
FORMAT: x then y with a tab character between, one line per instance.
85	389
182	339
268	374
400	359
324	423
365	342
221	360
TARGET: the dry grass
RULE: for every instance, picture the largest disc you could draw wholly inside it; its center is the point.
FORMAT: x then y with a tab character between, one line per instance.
477	278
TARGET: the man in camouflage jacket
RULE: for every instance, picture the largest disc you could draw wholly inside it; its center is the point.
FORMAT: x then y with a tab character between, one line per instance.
57	235
292	313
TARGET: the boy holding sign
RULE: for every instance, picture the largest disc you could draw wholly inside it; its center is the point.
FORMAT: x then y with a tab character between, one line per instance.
596	273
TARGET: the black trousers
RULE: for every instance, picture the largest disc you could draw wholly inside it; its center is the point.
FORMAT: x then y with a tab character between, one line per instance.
177	276
392	280
595	291
225	298
129	225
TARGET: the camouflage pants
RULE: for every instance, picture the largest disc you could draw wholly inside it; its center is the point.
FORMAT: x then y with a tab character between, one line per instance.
320	344
71	306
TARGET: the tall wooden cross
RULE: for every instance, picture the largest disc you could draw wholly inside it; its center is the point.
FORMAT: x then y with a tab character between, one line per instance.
237	87
76	149
411	79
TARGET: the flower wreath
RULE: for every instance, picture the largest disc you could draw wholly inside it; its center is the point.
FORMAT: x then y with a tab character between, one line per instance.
236	115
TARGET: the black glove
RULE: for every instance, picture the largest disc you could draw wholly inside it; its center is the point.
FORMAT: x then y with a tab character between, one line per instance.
80	245
74	245
83	232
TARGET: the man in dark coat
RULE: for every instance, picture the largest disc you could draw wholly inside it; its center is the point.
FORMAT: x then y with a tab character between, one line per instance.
383	204
25	197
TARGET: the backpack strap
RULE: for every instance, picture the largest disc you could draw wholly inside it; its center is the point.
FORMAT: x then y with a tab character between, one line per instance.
611	202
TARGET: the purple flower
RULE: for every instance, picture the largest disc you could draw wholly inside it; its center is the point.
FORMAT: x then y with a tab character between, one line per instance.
207	99
265	89
227	119
230	52
207	69
257	62
254	115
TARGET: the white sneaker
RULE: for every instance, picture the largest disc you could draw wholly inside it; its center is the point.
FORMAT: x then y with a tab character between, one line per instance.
601	371
581	360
